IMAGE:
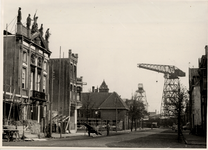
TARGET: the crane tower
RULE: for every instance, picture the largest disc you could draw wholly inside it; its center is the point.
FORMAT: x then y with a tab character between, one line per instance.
171	83
141	95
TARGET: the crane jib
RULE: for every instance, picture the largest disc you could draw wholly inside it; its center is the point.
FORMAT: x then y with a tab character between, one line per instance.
173	71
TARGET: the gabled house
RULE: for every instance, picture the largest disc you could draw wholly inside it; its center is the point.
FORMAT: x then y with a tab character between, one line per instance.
100	106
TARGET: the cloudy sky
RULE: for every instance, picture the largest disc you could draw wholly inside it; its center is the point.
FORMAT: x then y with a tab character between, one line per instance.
111	37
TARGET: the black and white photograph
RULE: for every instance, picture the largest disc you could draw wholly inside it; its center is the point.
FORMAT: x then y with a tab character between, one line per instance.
100	74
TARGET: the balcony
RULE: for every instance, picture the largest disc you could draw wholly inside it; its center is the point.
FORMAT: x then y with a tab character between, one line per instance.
37	95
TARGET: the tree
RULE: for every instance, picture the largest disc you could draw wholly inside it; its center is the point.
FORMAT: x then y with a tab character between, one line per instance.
176	106
136	111
87	106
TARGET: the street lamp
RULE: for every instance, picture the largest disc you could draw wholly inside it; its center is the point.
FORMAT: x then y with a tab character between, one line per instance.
96	112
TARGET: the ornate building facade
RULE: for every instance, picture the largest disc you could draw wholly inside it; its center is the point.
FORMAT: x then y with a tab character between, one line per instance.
26	72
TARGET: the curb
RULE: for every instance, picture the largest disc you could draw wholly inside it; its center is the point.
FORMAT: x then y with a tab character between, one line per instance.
189	143
196	144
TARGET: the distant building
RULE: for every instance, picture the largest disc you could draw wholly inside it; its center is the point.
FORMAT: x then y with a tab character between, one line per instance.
203	89
195	97
154	115
100	106
25	77
198	96
65	92
141	95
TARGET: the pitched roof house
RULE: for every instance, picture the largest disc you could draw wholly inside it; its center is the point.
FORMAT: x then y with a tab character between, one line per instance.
101	106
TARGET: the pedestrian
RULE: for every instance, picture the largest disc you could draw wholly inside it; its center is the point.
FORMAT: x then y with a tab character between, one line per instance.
108	128
59	127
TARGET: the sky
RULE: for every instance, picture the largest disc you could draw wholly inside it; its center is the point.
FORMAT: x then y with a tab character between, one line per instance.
111	37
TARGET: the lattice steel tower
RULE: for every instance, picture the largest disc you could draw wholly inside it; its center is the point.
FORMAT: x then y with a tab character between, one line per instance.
171	84
141	95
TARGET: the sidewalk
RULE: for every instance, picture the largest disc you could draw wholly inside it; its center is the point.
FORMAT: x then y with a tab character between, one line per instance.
194	139
34	137
57	135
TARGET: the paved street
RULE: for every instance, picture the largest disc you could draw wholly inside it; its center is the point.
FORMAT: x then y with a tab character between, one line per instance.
156	138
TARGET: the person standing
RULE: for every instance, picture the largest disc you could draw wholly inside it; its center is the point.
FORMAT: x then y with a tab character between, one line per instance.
108	128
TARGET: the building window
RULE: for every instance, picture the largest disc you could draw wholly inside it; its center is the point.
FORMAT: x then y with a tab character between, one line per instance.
45	65
23	77
38	82
75	71
24	56
72	110
44	83
40	62
204	83
31	80
71	69
78	97
74	96
33	58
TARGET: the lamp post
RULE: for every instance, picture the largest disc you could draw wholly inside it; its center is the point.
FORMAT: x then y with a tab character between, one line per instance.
116	112
96	112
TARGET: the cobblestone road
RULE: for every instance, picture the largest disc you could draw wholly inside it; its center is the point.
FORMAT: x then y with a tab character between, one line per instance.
156	138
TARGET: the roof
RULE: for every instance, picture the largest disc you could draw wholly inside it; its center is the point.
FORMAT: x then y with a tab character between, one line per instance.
101	100
103	87
113	102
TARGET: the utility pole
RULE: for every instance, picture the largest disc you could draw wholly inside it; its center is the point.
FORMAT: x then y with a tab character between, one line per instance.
51	102
179	114
116	112
59	95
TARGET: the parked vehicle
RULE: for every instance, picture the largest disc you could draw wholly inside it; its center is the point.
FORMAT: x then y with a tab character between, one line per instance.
154	125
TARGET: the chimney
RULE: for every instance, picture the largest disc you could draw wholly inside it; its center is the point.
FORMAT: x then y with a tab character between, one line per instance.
206	49
93	89
69	52
96	90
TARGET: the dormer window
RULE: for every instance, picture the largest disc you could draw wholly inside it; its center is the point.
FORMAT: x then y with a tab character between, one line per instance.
24	56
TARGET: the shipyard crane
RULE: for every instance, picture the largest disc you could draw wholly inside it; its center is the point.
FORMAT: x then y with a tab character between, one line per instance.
171	83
